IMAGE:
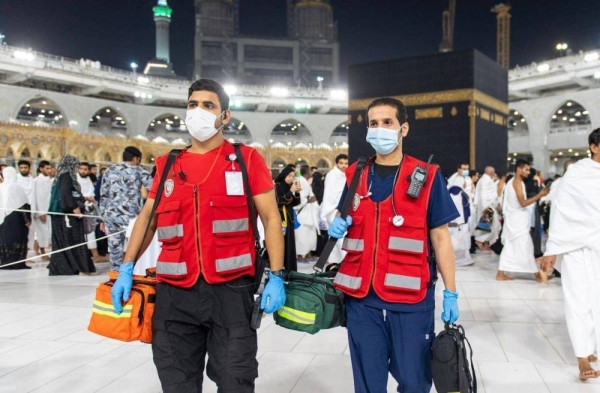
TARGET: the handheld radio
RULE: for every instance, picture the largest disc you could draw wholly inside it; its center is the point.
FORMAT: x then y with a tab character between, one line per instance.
418	179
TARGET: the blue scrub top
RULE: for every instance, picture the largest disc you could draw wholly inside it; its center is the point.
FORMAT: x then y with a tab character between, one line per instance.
440	211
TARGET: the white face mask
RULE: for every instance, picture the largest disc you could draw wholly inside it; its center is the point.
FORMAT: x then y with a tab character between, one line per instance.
201	124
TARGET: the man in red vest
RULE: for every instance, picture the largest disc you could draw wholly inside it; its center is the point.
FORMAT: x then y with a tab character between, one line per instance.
205	268
389	273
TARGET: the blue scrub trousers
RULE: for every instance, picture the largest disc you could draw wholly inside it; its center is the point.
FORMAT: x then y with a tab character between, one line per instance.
382	341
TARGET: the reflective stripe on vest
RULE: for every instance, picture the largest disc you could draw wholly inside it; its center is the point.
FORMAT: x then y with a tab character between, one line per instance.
402	244
347	281
227	226
305	318
404	282
353	244
233	263
109	310
171	268
169	232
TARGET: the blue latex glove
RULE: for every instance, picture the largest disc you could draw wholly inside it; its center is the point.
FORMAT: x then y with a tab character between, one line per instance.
450	313
273	297
122	287
339	226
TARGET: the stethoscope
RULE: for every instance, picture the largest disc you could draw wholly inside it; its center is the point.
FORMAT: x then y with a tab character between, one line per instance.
397	220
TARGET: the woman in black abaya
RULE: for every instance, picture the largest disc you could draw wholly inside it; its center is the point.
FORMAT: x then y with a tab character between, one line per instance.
288	197
68	231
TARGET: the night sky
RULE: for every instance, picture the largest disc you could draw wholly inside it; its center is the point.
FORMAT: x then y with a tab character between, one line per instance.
117	32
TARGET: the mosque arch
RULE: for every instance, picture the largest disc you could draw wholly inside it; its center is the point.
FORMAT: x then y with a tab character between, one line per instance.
339	134
102	156
25	153
42	111
80	153
49	152
517	123
324	164
571	116
290	131
301	161
167	123
237	131
108	119
278	163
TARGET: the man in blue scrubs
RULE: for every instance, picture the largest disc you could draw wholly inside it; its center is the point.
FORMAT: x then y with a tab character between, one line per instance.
394	336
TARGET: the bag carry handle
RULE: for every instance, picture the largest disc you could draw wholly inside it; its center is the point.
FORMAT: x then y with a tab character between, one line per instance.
161	186
471	385
330	245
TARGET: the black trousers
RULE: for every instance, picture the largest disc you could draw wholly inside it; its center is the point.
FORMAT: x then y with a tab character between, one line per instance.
205	319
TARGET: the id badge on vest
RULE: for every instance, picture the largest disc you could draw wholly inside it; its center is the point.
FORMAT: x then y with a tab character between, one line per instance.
234	183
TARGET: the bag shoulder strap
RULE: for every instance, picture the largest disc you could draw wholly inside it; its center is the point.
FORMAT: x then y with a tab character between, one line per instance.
329	246
161	185
249	200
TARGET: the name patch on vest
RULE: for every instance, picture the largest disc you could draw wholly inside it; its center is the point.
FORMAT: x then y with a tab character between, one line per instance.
356	202
169	187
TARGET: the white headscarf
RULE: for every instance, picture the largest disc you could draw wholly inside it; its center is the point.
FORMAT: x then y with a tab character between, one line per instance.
12	195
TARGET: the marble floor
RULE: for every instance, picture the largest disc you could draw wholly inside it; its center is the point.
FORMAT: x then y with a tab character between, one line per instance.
517	331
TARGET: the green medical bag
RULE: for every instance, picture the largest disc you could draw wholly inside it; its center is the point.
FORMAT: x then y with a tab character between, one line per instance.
312	303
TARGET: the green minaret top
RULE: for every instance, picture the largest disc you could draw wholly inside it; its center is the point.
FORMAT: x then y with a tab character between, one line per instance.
162	9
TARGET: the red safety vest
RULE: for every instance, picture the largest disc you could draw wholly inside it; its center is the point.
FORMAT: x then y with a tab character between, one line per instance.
204	230
393	259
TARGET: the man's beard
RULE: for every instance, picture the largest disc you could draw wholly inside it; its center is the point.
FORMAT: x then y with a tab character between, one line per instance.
24	174
84	176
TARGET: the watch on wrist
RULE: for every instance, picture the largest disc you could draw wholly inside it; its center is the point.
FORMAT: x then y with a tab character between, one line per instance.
280	273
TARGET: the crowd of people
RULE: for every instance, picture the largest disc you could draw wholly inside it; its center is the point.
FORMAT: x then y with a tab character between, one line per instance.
506	213
61	212
307	202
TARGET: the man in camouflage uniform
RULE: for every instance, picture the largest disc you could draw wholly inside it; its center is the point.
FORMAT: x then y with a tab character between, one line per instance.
121	200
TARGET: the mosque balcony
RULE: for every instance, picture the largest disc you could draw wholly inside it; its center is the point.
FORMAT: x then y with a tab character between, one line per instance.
578	71
569	137
90	78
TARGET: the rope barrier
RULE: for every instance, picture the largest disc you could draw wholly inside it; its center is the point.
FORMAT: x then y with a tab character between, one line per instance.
61	250
51	214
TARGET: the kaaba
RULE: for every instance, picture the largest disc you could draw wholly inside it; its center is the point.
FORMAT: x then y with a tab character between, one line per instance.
457	104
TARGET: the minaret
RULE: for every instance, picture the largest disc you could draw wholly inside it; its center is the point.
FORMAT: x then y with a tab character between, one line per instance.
161	64
162	17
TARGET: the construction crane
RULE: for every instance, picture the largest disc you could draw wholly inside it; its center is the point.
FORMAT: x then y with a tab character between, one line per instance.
448	27
503	32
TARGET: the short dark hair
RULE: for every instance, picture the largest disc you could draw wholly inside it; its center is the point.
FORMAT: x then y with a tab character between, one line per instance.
401	114
86	164
215	87
304	170
130	153
340	157
594	137
521	163
314	168
43	163
473	172
24	162
93	166
461	164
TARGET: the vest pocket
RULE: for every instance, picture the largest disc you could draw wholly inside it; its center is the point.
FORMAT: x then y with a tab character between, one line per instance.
168	227
231	234
407	266
353	242
169	261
